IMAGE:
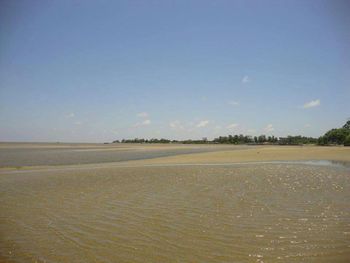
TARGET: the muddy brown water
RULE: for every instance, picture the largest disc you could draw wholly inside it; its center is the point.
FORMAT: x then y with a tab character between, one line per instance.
242	213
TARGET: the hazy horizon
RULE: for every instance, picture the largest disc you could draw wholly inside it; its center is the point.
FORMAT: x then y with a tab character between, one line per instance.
90	71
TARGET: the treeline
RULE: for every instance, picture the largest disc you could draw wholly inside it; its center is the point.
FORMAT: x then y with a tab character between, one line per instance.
244	139
297	140
232	139
339	136
137	140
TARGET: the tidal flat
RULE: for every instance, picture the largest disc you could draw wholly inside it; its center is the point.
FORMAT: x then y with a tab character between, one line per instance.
53	154
178	209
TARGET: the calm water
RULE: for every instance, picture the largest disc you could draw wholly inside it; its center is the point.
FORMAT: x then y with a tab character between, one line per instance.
243	213
26	156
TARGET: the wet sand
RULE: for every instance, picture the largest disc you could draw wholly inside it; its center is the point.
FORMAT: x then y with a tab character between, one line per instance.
31	154
76	156
180	209
259	154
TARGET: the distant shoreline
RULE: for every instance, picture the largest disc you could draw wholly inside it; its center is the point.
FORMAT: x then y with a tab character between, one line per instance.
27	157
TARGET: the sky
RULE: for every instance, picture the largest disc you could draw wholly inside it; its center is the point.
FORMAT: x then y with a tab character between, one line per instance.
97	71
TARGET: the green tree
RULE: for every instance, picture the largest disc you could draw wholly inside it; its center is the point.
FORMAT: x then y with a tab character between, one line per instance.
321	141
262	138
337	136
347	141
347	125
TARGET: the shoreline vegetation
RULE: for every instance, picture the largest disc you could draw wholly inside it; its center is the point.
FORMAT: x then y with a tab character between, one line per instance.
337	136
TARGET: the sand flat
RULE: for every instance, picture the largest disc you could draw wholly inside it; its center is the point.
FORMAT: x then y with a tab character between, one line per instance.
15	157
256	154
244	213
26	155
224	205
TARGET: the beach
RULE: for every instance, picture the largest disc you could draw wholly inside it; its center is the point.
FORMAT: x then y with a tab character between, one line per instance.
219	204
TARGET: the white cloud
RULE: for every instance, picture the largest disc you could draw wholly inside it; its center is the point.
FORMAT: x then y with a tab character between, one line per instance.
176	125
232	126
311	104
251	131
143	123
71	115
217	129
202	124
142	114
245	79
233	103
146	122
269	128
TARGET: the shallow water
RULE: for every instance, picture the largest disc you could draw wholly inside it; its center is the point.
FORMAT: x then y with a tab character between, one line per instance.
244	213
22	155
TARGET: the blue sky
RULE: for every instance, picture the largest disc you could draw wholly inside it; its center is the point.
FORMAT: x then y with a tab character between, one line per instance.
94	71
